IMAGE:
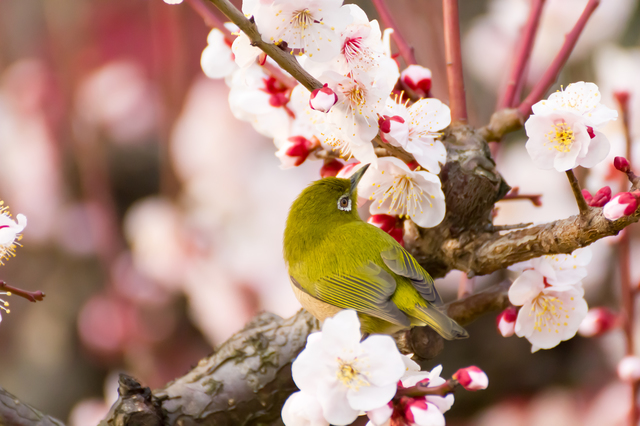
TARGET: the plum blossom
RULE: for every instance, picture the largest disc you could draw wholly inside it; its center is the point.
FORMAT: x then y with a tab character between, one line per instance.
313	26
559	269
415	128
623	204
303	409
397	190
244	54
347	376
217	60
549	313
331	168
562	130
389	224
295	151
9	232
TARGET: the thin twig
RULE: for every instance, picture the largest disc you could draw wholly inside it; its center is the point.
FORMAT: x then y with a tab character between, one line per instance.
392	150
522	55
453	56
406	50
31	296
285	60
514	194
423	390
577	192
561	58
628	293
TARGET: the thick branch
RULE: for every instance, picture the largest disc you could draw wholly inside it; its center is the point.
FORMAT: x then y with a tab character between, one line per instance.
551	75
282	58
453	56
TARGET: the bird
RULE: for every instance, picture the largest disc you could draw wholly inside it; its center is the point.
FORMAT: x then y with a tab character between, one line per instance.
337	261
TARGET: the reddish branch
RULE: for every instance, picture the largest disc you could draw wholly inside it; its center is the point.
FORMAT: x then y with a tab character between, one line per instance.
522	55
32	296
514	194
406	50
551	75
453	56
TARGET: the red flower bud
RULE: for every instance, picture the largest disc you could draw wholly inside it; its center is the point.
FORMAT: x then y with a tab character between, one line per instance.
331	168
383	221
623	204
506	321
602	197
418	79
472	378
398	235
323	99
621	164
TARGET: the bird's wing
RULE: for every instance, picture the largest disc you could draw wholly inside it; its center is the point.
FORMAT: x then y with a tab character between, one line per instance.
367	290
402	263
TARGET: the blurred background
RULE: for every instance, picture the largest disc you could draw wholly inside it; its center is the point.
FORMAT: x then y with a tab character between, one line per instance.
156	218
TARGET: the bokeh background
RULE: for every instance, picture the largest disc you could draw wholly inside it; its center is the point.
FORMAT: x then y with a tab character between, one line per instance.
156	218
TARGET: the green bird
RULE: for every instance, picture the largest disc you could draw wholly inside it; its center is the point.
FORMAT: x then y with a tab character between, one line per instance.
337	261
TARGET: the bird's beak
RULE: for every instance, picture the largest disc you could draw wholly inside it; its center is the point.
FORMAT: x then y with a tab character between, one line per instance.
355	178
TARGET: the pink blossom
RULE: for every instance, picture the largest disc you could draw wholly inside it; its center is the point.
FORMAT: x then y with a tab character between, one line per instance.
323	99
295	151
629	368
418	79
331	168
507	321
472	378
623	204
598	321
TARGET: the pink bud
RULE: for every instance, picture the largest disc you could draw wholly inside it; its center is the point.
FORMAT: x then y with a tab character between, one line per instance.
348	170
331	168
587	196
623	204
417	78
507	321
295	151
598	321
323	99
413	164
393	129
592	133
383	221
621	164
420	412
601	198
472	378
629	368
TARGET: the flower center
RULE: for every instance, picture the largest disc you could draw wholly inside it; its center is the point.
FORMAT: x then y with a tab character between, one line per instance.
561	136
549	313
352	48
302	19
406	196
349	374
356	96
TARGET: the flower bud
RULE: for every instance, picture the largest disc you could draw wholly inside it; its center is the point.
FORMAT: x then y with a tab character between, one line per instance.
331	168
598	321
507	321
393	129
621	164
623	204
629	368
601	198
348	170
472	378
323	99
383	221
420	412
295	151
418	79
591	132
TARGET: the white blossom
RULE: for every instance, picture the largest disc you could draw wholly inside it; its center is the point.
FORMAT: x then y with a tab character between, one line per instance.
397	190
217	60
423	121
9	232
314	25
549	313
629	368
559	269
345	375
302	409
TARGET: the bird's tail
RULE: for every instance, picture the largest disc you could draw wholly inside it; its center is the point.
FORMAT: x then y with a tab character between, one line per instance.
442	324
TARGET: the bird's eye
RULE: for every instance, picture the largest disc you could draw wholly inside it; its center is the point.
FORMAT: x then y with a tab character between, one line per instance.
344	203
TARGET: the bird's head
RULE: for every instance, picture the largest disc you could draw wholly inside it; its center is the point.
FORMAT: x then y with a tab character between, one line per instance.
325	203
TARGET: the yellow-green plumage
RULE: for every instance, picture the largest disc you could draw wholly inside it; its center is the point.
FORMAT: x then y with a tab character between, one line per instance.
335	258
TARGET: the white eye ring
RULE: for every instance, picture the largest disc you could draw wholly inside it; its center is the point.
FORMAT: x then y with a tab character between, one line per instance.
347	207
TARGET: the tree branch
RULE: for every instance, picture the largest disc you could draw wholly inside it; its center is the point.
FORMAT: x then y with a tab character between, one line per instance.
522	55
13	412
551	75
282	58
453	56
406	50
577	192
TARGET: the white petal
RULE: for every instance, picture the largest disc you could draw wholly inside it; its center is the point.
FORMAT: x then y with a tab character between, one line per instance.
429	417
369	397
526	287
335	407
341	333
383	360
302	409
599	148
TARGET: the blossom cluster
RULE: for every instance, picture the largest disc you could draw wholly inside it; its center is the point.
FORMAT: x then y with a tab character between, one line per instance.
10	230
551	299
340	377
364	97
563	131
